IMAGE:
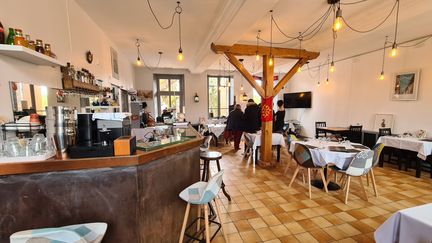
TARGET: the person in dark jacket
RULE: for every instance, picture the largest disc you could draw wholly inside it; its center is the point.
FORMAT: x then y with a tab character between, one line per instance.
279	117
234	125
252	117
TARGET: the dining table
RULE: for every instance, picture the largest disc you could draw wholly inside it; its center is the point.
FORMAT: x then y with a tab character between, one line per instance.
407	225
333	130
216	130
278	141
423	147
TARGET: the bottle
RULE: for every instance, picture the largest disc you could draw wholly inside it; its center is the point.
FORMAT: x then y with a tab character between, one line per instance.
19	38
2	34
31	45
39	46
27	40
10	38
47	49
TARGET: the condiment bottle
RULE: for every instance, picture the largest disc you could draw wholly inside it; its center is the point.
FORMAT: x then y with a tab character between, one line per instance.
39	47
10	38
27	40
19	38
47	49
2	34
31	45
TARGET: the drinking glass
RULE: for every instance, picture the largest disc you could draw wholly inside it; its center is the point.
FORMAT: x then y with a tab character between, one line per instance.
13	148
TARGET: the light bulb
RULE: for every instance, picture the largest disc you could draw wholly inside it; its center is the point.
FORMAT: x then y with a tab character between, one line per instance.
332	68
257	56
270	62
393	51
319	84
180	56
241	87
381	77
299	69
337	25
138	61
327	81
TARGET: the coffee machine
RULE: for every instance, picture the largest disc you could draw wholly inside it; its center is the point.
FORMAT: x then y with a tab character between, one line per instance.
95	137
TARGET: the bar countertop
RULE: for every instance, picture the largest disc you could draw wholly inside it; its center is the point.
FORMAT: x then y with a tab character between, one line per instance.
63	163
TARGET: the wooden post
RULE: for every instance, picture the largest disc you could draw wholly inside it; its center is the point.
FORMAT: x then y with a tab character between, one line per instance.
266	110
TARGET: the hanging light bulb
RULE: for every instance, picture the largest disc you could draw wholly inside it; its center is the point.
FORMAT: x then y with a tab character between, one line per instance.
393	51
138	61
299	69
381	77
319	83
180	56
270	62
337	25
332	68
257	56
327	81
241	87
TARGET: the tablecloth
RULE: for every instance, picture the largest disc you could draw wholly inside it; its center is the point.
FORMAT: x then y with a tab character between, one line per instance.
423	148
277	139
322	156
411	225
216	129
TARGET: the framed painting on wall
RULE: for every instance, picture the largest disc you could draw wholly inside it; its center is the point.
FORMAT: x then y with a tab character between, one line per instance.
114	63
405	85
383	121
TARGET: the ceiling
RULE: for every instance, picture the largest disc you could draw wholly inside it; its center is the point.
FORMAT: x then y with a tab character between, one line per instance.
237	21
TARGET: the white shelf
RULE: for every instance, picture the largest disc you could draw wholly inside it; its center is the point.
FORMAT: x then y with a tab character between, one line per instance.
27	55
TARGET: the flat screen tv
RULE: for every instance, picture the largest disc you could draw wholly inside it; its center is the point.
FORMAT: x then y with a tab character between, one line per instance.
298	100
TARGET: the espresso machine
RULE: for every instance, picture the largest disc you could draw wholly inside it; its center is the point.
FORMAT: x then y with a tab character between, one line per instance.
95	137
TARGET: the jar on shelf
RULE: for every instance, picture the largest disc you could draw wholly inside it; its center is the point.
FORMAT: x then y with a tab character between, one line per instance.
39	47
10	38
47	49
19	38
32	45
27	40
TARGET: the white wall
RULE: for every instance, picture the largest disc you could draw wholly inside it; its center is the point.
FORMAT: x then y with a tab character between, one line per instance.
194	83
48	20
354	94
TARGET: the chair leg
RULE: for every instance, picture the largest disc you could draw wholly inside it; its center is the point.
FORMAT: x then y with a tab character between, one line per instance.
347	189
220	220
363	188
199	220
374	183
329	174
309	183
323	180
367	179
294	175
207	228
185	219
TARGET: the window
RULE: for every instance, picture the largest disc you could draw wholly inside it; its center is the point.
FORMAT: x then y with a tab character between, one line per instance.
170	92
255	96
219	95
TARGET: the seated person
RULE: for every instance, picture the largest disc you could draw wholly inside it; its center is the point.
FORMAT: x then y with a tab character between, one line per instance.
166	114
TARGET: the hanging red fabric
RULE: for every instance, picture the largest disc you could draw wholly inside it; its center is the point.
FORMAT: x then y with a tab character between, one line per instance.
267	109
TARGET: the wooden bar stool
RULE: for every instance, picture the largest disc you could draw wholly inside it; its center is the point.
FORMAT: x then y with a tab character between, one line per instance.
201	194
208	156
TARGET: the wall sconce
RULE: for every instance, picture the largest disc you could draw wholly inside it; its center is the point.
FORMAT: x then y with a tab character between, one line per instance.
196	98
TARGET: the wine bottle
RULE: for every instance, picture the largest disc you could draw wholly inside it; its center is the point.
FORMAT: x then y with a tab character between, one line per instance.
11	36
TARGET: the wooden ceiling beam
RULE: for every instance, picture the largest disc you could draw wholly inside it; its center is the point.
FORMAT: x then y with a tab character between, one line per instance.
288	76
237	64
251	50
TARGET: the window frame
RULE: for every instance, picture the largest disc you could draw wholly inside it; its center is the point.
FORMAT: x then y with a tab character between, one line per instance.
159	93
230	90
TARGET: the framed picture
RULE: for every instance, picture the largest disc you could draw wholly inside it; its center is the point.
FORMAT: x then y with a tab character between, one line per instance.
114	63
383	121
405	85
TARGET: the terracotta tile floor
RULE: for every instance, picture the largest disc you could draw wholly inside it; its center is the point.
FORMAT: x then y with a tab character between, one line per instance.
264	209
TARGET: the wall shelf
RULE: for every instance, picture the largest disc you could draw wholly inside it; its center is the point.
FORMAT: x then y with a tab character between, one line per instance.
27	55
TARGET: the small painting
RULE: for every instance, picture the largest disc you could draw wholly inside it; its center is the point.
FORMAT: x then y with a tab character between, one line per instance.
405	86
383	121
114	63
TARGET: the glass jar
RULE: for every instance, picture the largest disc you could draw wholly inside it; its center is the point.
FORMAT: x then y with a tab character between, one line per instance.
27	40
47	49
39	47
31	45
19	38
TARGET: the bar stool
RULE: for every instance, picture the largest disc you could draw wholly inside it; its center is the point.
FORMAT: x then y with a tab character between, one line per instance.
78	233
201	194
207	157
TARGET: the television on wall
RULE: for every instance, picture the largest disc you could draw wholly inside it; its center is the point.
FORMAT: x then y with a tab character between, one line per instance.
298	100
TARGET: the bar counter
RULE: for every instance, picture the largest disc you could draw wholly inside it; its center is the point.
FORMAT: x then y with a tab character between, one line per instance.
136	195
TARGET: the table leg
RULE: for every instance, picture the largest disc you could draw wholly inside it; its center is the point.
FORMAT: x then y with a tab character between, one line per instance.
418	167
223	184
256	153
216	139
278	147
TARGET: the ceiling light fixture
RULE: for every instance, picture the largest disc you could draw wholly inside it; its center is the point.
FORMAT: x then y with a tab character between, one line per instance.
300	37
179	10
394	50
241	86
337	24
270	61
257	56
334	34
328	69
138	60
381	77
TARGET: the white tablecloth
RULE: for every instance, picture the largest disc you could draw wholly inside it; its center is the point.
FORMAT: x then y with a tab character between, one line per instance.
423	148
322	156
411	225
216	129
277	139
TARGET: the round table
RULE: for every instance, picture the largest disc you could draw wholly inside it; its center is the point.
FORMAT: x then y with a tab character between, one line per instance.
208	156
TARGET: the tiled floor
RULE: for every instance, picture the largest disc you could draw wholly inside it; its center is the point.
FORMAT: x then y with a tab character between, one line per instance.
264	209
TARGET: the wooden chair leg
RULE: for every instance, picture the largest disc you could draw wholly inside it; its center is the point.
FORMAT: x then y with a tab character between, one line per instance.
347	189
367	179
303	177
309	183
323	180
207	227
363	188
220	220
198	220
329	174
287	168
374	182
185	219
294	175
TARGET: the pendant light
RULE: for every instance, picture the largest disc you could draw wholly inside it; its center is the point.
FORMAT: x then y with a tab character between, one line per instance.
381	77
337	24
257	56
138	60
270	61
328	69
179	10
394	50
319	75
300	37
241	86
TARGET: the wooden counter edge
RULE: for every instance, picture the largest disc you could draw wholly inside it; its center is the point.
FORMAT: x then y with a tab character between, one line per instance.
65	164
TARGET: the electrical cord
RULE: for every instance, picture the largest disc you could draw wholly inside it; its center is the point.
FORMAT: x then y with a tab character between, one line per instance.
418	43
157	20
